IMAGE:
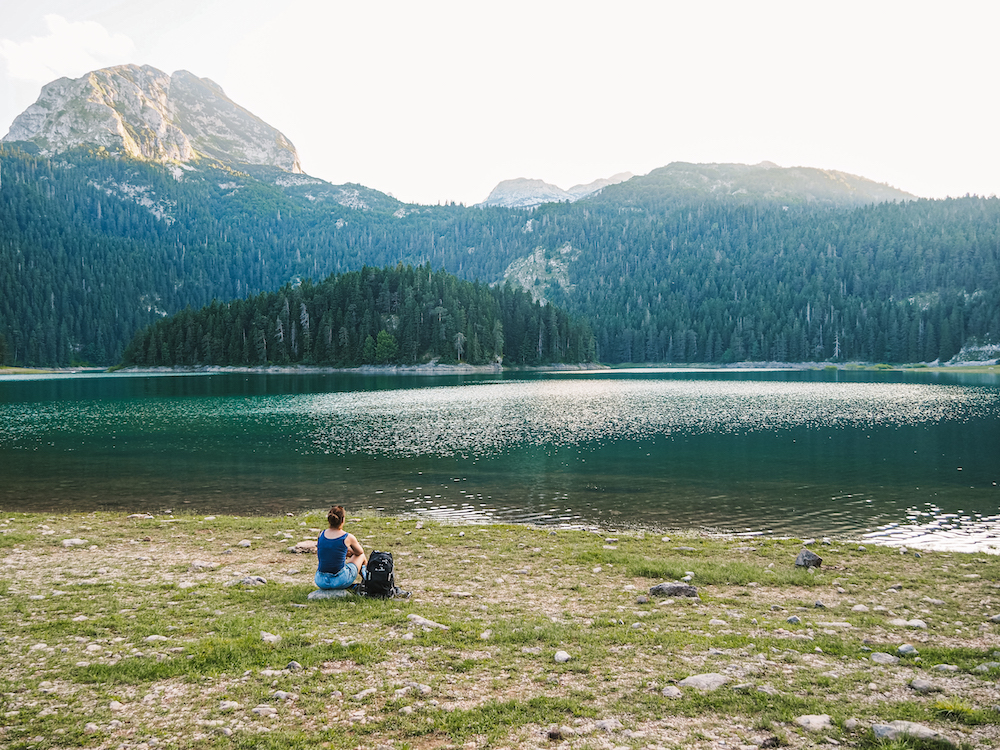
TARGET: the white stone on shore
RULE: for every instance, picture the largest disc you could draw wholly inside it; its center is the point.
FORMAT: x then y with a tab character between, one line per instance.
880	657
897	729
945	668
608	725
328	594
425	623
813	722
708	681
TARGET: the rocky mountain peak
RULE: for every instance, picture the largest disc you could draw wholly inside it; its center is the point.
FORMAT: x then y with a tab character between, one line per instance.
141	112
525	193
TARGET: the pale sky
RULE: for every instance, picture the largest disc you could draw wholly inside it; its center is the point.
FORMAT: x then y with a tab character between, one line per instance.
440	101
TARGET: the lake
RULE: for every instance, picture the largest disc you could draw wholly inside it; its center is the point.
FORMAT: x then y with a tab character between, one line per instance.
904	457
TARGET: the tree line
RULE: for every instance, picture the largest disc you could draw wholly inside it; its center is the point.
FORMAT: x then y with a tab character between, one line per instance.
94	249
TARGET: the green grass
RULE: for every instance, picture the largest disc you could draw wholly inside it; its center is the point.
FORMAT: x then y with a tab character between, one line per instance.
490	690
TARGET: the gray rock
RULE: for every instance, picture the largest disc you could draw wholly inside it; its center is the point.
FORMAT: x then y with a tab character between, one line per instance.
813	722
363	694
859	608
819	605
708	681
74	542
608	725
899	622
269	637
674	589
328	594
227	706
794	620
294	666
642	600
766	689
425	623
851	724
264	711
880	657
987	666
945	668
671	691
897	729
562	657
808	559
924	686
243	543
907	650
994	618
281	695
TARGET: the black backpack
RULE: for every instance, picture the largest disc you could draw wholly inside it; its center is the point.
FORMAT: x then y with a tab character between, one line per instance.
379	579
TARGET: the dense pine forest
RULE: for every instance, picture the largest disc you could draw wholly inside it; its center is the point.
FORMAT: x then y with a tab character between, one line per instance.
94	249
389	316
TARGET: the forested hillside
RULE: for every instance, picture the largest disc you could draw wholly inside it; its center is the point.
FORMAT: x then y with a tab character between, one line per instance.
94	249
402	315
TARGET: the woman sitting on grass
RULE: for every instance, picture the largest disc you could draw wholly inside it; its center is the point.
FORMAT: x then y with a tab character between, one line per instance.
341	556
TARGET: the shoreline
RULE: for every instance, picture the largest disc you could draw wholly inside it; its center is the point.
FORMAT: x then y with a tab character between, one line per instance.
184	631
987	366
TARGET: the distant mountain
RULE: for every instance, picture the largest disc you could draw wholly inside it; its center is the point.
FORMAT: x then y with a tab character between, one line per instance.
142	112
680	182
525	193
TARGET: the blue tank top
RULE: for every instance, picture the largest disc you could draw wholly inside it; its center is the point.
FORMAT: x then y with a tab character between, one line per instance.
331	553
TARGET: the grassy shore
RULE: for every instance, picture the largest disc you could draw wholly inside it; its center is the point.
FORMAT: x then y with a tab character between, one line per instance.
140	636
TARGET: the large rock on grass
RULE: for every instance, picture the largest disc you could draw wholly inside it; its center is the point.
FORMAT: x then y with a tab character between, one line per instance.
674	589
808	559
899	729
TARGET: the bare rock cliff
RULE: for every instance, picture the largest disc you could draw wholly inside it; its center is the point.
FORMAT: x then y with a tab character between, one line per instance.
142	112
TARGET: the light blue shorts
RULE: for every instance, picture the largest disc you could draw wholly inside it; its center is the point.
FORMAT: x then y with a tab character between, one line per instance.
340	580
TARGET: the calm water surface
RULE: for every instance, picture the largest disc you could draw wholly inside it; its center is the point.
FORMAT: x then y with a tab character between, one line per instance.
898	457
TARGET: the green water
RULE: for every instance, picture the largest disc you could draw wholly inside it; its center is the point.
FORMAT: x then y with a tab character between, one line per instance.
904	457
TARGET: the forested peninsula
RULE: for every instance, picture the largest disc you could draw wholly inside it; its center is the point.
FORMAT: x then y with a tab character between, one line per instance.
390	316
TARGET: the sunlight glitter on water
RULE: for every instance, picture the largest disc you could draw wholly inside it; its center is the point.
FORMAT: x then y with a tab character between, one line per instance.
491	418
